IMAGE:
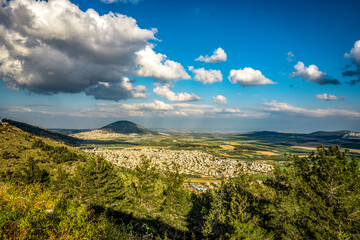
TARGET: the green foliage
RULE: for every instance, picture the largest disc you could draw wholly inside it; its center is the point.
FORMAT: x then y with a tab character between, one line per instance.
33	174
57	154
176	197
234	211
155	195
9	155
316	196
63	193
29	212
96	182
146	182
29	172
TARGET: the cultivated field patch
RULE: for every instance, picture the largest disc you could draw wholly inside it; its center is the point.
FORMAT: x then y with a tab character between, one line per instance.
267	153
227	147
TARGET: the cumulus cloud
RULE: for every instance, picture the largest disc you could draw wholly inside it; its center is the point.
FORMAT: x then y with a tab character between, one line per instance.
152	64
286	108
53	46
312	74
248	77
165	91
219	55
116	91
206	76
329	97
354	55
219	99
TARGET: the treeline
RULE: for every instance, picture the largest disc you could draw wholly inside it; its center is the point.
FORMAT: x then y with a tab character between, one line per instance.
84	196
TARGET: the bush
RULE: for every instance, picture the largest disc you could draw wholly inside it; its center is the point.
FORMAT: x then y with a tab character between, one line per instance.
29	212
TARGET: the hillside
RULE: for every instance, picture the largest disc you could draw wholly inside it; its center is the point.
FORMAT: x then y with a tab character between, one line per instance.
42	132
51	191
126	127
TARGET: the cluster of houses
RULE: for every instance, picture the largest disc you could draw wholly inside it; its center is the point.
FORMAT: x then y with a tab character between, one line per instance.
188	162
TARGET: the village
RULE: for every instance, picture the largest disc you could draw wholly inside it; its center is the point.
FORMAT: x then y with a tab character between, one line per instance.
189	162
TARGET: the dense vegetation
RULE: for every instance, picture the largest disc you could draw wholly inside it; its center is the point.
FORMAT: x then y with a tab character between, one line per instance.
49	190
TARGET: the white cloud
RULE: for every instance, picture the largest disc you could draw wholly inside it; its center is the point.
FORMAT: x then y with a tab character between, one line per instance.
156	105
153	64
219	55
354	54
53	46
219	99
228	111
275	106
116	91
165	91
248	77
148	109
329	97
206	76
290	56
312	74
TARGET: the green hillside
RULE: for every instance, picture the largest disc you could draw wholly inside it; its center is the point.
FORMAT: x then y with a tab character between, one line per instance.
42	132
52	191
137	202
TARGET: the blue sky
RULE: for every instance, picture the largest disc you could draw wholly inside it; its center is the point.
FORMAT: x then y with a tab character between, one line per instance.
266	65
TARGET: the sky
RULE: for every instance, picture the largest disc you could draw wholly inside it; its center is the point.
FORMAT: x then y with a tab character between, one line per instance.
232	66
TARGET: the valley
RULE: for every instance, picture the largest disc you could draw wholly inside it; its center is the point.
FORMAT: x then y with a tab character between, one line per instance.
208	156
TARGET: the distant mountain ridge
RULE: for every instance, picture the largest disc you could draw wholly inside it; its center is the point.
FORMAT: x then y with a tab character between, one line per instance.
329	136
43	132
126	127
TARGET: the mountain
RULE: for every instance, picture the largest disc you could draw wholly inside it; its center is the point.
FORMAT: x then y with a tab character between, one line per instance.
272	134
126	127
43	132
343	138
329	135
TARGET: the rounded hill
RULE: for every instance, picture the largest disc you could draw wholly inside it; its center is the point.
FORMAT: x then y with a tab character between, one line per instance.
126	127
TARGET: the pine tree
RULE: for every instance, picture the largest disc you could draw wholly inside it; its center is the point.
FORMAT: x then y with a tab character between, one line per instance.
98	181
146	187
319	194
234	212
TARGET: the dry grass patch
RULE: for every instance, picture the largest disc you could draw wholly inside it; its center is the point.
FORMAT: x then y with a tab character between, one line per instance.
227	147
267	153
306	148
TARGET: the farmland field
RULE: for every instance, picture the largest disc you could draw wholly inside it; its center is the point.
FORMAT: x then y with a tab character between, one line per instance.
239	148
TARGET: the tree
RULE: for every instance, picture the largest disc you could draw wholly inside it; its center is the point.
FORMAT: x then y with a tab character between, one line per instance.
33	174
234	211
317	196
98	181
146	187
